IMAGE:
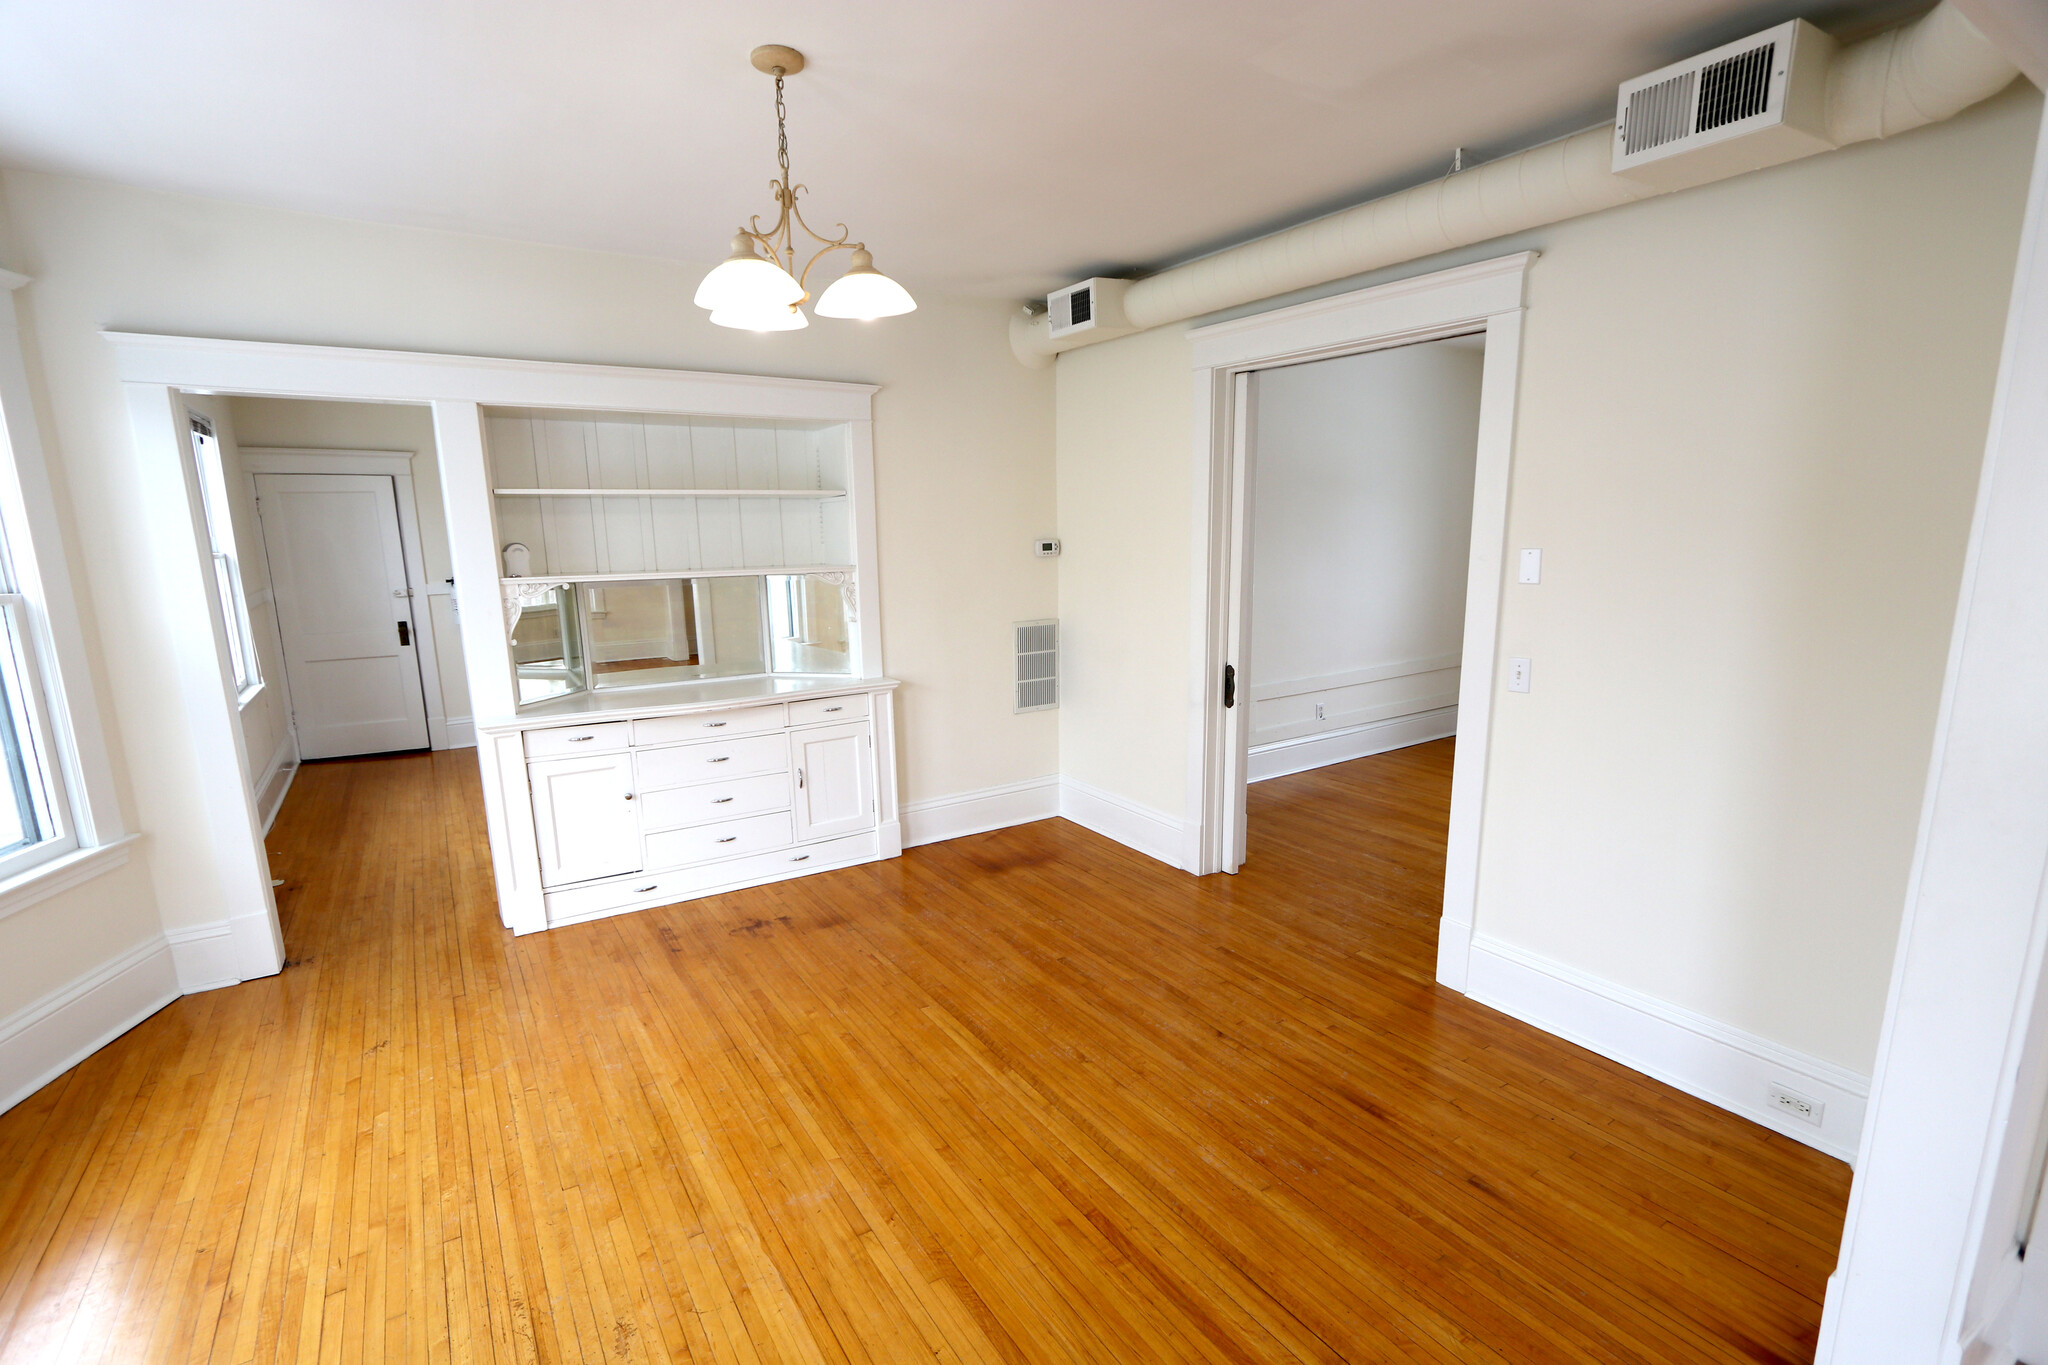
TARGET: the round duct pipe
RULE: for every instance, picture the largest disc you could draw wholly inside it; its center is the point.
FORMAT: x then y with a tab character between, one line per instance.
1921	72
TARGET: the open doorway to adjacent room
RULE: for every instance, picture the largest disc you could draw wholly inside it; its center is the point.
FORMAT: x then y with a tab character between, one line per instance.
330	564
1360	474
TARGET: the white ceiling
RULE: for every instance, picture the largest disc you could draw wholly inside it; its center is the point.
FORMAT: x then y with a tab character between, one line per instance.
994	147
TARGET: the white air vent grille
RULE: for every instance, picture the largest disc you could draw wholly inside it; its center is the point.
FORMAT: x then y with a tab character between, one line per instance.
1038	665
1658	114
1093	305
1752	103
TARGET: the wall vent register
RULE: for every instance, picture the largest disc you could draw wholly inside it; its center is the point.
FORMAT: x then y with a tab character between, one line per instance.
1038	665
1748	104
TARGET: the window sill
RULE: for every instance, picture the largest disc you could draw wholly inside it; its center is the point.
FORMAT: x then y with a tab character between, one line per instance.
45	880
247	695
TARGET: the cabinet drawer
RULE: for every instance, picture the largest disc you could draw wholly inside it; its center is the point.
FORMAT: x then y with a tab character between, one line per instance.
577	739
718	761
826	709
709	725
679	806
675	847
649	889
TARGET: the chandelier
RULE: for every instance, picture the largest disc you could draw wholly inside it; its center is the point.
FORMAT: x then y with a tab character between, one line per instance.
763	293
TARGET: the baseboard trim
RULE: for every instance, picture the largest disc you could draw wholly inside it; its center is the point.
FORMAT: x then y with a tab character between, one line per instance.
451	732
276	781
224	952
1716	1062
977	812
1303	752
1151	832
44	1040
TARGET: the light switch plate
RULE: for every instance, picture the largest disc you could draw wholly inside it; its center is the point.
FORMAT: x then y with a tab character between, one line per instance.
1532	566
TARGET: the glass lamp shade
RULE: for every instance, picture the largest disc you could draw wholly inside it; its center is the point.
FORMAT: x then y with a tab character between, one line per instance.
864	292
745	281
780	317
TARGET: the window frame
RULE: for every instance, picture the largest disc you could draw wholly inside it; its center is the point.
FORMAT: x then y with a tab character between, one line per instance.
56	709
245	664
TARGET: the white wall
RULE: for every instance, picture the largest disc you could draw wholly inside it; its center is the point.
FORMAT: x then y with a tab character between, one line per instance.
1751	418
1361	531
407	427
962	436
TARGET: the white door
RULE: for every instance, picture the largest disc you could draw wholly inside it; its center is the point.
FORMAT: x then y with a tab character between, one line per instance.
835	780
583	817
344	607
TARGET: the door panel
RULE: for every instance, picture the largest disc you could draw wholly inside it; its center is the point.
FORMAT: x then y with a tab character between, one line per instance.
835	780
337	569
583	817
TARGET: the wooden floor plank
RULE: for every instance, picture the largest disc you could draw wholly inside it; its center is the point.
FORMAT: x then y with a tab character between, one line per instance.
1023	1097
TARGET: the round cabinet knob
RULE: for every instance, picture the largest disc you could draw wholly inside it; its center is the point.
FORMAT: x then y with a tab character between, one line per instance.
629	796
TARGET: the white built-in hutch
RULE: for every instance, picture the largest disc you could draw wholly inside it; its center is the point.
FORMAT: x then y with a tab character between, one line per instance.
682	694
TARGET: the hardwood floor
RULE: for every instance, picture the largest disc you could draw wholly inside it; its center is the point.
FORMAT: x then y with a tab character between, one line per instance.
1026	1096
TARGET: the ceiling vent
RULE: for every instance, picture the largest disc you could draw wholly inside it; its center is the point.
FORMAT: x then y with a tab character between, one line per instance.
1750	104
1095	306
1038	665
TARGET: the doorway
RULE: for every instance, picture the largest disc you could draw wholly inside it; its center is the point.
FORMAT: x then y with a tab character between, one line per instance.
1481	299
1361	473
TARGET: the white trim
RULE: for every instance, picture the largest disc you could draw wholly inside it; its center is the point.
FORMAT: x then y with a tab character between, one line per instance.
276	780
223	953
398	464
1306	752
45	880
1403	668
1703	1057
977	812
458	732
1484	296
46	1039
280	370
1151	832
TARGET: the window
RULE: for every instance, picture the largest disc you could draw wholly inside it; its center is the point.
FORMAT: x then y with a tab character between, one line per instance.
34	823
227	569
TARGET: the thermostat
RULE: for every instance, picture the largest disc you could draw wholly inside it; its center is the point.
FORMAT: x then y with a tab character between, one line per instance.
1045	547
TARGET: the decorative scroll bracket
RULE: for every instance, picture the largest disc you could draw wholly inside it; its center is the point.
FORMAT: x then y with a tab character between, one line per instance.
520	596
845	583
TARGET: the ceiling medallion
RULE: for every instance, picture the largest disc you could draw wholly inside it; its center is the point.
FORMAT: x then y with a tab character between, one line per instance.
765	293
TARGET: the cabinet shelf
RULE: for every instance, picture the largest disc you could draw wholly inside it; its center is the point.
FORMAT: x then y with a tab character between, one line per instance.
757	572
669	492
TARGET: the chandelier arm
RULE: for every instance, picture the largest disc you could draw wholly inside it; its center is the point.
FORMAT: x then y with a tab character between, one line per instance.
803	280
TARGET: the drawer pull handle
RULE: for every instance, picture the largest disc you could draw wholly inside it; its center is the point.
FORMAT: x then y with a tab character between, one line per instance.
830	709
801	858
651	886
581	739
719	801
728	838
713	724
723	758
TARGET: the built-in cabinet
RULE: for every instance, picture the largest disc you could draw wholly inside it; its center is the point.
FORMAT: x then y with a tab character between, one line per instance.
682	694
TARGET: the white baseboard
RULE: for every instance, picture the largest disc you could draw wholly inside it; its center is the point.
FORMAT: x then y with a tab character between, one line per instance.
276	780
1720	1064
222	953
1151	832
1304	752
451	732
48	1038
977	812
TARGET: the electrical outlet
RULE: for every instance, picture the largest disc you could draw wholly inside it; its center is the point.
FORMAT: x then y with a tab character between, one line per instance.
1797	1105
1319	710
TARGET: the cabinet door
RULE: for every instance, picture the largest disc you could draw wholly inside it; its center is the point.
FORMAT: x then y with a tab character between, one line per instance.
835	780
583	817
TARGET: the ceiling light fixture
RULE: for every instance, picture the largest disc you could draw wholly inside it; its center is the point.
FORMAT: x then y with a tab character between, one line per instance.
765	293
